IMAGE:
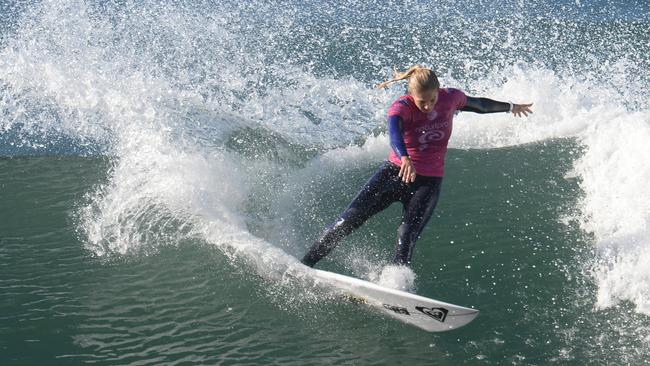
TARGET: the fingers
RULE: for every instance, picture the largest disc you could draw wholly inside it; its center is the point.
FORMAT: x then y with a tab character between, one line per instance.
409	178
402	168
407	173
519	113
520	109
407	170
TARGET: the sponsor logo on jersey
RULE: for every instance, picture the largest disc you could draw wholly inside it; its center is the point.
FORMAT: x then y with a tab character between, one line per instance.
431	136
431	133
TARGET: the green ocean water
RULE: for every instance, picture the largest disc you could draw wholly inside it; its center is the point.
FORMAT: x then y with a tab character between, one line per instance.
495	244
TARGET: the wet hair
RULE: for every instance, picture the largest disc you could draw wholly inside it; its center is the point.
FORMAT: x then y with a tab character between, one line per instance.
419	79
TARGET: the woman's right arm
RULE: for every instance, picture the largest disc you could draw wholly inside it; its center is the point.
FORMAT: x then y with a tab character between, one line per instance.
396	137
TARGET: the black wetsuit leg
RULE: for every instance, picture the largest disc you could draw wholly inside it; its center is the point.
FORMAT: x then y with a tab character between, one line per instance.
419	203
383	188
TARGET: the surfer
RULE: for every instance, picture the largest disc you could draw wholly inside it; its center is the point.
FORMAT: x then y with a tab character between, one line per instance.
419	127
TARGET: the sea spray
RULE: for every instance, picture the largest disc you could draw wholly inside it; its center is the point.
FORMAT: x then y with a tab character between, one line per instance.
616	206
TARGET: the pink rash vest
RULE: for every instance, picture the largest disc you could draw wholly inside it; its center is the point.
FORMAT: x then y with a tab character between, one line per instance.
426	135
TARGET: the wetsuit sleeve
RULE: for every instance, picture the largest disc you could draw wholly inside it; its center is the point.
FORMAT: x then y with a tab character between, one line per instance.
396	135
485	105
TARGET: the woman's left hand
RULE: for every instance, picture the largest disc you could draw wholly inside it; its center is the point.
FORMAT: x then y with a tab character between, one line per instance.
519	109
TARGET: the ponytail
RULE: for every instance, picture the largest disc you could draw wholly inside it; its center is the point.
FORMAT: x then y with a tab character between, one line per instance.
420	78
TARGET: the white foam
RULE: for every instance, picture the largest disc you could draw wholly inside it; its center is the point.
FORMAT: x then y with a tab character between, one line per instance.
166	183
397	277
614	174
561	108
323	112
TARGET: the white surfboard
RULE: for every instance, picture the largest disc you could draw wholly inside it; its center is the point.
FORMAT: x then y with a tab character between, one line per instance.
428	314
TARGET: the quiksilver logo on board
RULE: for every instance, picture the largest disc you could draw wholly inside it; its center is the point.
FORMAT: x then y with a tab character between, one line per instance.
439	314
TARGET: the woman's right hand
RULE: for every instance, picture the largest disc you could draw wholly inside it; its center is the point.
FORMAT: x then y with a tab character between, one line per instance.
407	170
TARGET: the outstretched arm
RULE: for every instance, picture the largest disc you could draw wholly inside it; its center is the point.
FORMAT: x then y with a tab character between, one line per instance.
486	105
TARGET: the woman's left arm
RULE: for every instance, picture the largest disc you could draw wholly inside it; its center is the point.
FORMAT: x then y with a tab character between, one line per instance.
486	105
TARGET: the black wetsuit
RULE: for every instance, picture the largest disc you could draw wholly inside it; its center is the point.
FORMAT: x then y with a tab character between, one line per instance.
419	198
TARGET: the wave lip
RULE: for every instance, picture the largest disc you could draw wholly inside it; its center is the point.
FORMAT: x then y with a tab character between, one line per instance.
616	206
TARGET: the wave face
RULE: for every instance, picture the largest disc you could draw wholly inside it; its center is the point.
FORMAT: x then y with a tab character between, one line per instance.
217	118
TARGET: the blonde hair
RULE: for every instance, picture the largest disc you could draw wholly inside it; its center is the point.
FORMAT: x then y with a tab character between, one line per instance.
419	79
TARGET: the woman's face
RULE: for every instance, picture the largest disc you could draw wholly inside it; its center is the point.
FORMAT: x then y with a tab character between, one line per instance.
425	100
